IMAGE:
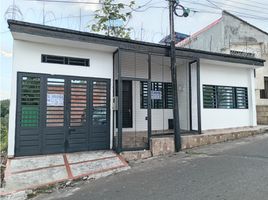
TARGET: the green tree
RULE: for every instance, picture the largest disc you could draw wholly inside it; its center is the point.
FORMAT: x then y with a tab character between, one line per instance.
4	107
4	112
112	13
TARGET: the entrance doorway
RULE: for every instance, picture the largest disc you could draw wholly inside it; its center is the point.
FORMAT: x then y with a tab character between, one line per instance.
62	114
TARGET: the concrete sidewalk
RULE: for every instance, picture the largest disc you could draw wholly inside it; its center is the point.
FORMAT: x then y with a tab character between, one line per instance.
35	171
235	170
164	144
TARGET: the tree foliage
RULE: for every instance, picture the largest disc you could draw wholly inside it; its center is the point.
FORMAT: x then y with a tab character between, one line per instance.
111	13
4	112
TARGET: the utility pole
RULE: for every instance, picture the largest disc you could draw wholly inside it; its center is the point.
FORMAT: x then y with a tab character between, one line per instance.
141	31
176	123
13	10
44	14
80	18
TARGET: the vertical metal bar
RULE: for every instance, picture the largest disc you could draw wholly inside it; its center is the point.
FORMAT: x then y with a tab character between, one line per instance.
174	79
198	97
115	64
108	106
18	113
120	104
190	95
149	111
90	111
67	111
43	109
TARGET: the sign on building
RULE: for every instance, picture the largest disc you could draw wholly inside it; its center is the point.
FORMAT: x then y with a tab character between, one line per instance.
156	94
55	100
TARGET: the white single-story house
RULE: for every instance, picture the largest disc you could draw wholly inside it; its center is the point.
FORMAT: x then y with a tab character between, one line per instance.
78	91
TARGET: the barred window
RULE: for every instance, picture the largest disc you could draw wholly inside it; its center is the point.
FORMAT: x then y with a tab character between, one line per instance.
209	96
64	60
225	97
161	95
264	92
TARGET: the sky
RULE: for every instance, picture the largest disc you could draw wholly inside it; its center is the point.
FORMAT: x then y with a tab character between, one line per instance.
149	20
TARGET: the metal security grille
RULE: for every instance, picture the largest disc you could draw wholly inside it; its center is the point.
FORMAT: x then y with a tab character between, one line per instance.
225	97
209	96
168	95
165	100
100	115
78	102
241	97
30	101
144	94
65	60
62	114
158	103
99	103
55	102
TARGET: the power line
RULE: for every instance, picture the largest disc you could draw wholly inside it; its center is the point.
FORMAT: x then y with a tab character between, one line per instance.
264	4
250	5
216	6
246	15
241	8
93	3
71	2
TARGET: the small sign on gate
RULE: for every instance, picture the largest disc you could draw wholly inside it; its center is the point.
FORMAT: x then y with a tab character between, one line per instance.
156	94
55	100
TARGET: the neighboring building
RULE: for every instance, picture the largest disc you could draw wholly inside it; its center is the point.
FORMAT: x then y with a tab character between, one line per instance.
77	91
178	37
232	35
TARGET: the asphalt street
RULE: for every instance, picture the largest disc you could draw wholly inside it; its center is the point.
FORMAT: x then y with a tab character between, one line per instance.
236	170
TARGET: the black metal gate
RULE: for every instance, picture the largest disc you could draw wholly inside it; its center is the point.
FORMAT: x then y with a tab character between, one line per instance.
57	114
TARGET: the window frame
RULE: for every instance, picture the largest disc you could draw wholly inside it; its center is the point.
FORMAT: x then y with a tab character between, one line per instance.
166	88
264	92
65	60
234	95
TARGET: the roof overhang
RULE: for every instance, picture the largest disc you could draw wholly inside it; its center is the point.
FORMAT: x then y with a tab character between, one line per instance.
34	32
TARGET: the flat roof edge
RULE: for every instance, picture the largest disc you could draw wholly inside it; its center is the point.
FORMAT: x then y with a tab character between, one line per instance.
62	33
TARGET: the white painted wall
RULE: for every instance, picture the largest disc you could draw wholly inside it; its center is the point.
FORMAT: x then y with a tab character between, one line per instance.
226	74
183	93
27	58
194	96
